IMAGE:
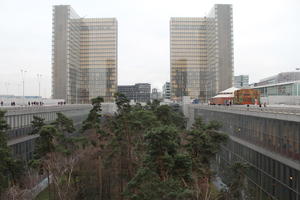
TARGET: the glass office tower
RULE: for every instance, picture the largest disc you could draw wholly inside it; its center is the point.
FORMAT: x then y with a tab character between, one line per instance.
201	54
84	61
98	58
188	56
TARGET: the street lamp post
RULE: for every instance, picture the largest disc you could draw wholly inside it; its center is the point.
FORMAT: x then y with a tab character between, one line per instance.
39	76
6	86
23	81
297	69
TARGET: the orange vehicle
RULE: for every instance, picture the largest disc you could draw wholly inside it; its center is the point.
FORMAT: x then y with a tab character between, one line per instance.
246	96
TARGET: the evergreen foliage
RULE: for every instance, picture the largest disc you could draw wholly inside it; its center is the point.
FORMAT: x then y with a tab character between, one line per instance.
167	116
45	143
63	124
204	141
165	172
237	189
10	168
138	153
37	123
94	118
122	102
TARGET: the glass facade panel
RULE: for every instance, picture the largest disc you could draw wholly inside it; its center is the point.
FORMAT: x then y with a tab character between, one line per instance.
271	177
201	54
289	89
82	45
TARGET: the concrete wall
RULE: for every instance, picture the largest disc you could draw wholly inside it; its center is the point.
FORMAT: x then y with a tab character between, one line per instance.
19	119
268	140
287	100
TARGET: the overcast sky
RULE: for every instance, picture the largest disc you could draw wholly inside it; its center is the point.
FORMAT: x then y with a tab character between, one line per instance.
266	38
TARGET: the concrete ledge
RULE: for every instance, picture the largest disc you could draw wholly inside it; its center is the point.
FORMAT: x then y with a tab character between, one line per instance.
21	139
275	156
272	113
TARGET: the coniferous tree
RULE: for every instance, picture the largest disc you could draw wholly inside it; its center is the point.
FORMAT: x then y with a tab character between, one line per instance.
63	124
10	168
238	186
165	173
167	116
4	153
46	142
203	142
37	123
94	117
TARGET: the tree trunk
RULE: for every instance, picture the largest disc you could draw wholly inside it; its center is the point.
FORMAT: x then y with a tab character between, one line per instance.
49	193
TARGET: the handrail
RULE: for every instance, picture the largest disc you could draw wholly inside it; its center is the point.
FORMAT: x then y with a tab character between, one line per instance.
34	109
273	110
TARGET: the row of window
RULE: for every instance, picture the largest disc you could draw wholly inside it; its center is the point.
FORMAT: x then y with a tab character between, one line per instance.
275	135
187	36
188	27
188	43
19	121
99	27
23	150
269	176
280	90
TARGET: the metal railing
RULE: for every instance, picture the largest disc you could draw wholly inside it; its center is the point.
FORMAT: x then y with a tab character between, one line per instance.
252	108
36	109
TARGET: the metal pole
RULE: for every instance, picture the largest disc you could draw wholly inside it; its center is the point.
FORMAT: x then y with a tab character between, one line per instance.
6	86
23	89
23	81
39	83
206	92
297	82
39	88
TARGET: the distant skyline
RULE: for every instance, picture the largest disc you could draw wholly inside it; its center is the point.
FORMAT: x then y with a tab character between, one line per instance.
266	38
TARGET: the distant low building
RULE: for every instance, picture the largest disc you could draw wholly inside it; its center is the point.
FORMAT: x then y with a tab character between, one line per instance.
279	78
166	91
139	92
283	88
241	81
155	94
280	93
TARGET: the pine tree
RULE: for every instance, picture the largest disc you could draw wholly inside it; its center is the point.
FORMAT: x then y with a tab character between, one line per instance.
10	168
94	118
63	124
203	142
37	123
4	153
238	186
46	142
165	173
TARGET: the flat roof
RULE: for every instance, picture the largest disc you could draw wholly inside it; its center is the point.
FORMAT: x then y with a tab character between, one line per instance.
275	84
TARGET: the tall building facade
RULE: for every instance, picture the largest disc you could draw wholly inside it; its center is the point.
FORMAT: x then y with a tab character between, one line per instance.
140	92
201	54
155	94
84	61
241	81
166	90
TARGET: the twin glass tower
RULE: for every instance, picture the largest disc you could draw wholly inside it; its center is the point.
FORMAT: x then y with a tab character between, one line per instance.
84	60
201	54
85	55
